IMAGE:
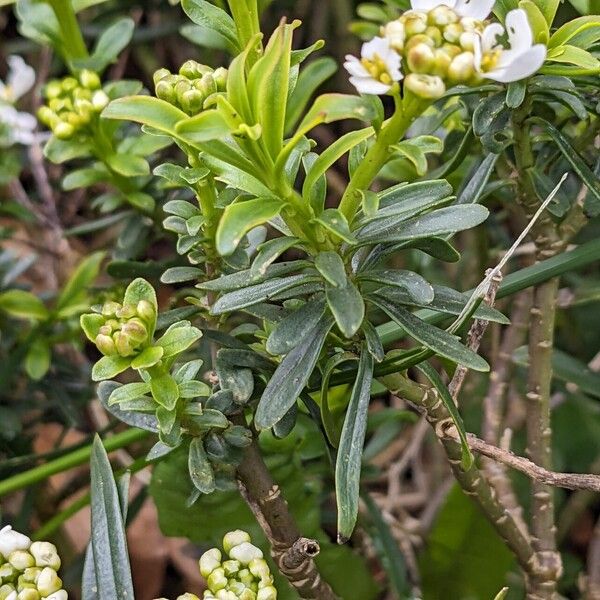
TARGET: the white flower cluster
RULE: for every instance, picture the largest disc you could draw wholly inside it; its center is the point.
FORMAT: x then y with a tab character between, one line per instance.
245	575
445	42
16	127
28	571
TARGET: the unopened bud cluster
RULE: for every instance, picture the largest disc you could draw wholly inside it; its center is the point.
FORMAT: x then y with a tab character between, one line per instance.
126	328
242	575
189	89
28	571
72	103
436	49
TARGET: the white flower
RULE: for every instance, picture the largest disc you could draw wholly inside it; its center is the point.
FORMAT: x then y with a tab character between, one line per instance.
19	126
11	540
521	60
19	81
475	9
377	69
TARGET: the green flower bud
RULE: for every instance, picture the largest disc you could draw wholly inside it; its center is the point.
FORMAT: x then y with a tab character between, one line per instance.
110	308
100	100
462	67
420	38
191	101
188	596
220	77
84	109
237	587
226	595
194	70
135	330
59	595
68	84
89	79
259	568
8	591
63	130
160	74
453	32
145	310
245	552
53	89
231	567
32	573
217	580
234	538
442	16
395	33
267	593
8	573
181	87
165	91
246	577
420	58
441	63
28	594
470	24
414	23
106	344
467	40
45	555
21	560
247	594
48	582
425	86
82	94
210	561
47	116
434	34
123	344
127	311
451	50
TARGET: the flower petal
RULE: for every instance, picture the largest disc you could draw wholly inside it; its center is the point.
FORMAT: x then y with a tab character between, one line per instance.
520	36
368	85
489	37
523	65
21	76
476	9
355	67
378	45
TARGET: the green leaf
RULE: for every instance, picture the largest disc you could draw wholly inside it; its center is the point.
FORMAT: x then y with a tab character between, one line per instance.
476	182
310	79
139	289
443	221
582	59
180	274
331	266
374	344
239	218
438	340
59	151
486	111
76	288
335	222
193	389
91	324
418	288
110	366
129	391
111	42
335	107
444	395
348	308
24	305
128	165
269	251
83	178
540	14
572	156
291	376
146	110
213	18
165	391
415	150
178	337
293	328
37	359
349	456
254	294
147	357
331	155
203	127
268	85
200	469
582	32
111	560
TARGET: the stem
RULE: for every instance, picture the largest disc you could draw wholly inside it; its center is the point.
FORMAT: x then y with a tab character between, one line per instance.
378	154
69	461
74	45
292	553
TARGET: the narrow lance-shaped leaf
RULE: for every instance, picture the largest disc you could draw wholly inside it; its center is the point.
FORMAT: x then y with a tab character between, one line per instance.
349	457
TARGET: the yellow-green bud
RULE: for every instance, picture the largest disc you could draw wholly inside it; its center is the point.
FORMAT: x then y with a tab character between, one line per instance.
106	345
247	594
267	593
231	567
48	582
188	596
63	130
28	594
21	560
84	109
127	311
442	15
47	116
217	580
451	50
237	587
206	85
234	538
82	94
182	86
220	77
53	89
441	63
420	58
110	308
245	552
226	595
415	22
434	34
45	555
7	592
470	24
193	70
68	84
395	33
420	38
462	67
425	86
145	310
191	101
123	344
160	74
246	577
8	573
31	574
100	100
210	561
453	32
259	568
59	595
165	91
467	40
135	330
89	79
